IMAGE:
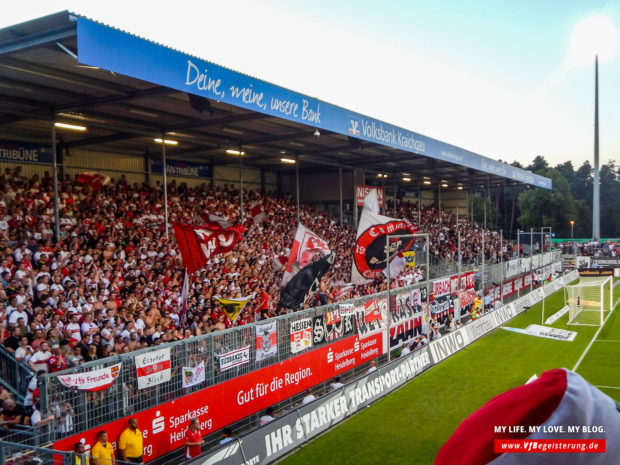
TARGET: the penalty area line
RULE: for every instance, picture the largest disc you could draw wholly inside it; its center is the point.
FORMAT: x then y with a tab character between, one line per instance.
583	355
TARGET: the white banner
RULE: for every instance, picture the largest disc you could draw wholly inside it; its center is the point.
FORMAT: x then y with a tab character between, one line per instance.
346	309
301	335
582	262
235	358
153	368
193	375
95	380
525	264
266	341
545	332
512	268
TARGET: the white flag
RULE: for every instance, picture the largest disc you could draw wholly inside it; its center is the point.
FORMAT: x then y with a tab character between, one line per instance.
396	266
305	246
193	375
371	202
371	250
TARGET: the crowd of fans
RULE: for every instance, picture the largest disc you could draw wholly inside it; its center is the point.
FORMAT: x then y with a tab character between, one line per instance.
113	282
605	249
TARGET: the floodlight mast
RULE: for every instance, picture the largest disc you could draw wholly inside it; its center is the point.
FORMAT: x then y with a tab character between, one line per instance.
426	237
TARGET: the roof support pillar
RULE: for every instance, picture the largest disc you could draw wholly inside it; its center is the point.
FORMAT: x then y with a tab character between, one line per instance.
297	187
165	180
355	198
241	214
340	191
395	190
439	202
55	181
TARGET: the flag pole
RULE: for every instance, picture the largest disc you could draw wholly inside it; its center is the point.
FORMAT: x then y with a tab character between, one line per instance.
389	326
184	298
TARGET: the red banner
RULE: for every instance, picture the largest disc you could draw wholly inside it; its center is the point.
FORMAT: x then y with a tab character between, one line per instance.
441	287
220	405
362	191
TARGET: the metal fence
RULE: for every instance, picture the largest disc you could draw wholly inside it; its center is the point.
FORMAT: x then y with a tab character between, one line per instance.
14	375
78	411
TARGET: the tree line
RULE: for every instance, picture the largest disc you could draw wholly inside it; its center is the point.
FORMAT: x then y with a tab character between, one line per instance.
524	207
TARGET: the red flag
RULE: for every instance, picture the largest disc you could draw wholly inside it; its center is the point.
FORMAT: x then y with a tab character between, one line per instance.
199	243
93	180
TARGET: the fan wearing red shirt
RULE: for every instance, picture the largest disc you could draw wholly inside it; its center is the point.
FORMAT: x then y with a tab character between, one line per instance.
57	361
193	439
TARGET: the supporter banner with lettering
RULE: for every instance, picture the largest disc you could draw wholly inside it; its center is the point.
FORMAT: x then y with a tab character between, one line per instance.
234	358
152	368
371	317
407	317
181	169
605	262
346	309
266	341
512	268
301	335
526	264
467	281
362	191
331	326
222	404
20	152
441	305
471	280
95	380
193	375
441	287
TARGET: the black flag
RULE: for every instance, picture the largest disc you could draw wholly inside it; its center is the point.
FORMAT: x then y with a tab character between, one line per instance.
305	283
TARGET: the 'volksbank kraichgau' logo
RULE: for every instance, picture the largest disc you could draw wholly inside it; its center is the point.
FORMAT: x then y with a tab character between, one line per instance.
354	127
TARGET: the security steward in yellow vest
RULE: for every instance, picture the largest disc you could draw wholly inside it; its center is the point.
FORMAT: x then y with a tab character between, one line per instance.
130	444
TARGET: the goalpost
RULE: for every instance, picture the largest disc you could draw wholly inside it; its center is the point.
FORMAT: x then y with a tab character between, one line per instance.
589	300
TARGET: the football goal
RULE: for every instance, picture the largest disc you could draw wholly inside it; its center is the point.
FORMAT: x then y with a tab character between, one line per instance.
589	300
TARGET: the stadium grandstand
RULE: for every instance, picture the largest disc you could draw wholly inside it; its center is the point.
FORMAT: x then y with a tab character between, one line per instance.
104	153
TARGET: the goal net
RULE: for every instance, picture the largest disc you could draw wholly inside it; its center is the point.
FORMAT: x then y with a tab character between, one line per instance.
589	300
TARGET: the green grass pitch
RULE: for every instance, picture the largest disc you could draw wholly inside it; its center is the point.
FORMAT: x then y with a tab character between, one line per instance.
411	424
